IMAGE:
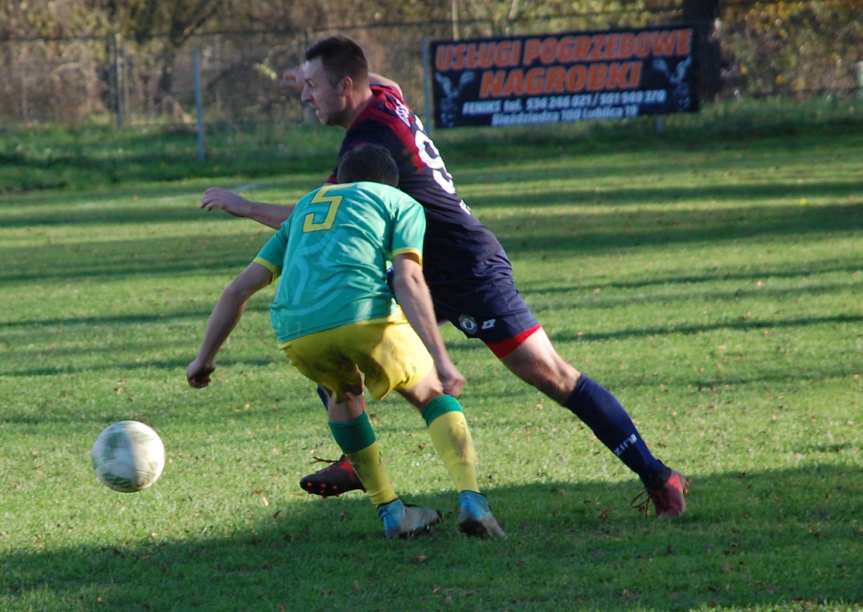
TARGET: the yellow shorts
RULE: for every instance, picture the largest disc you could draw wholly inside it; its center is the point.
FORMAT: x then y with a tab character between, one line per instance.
383	355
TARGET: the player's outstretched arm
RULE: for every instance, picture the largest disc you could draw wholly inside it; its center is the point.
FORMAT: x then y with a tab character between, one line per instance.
271	215
225	316
292	80
379	79
413	295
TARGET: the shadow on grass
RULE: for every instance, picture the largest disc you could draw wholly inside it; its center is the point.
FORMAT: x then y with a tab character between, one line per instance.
764	272
119	214
122	198
570	165
790	538
707	195
127	258
577	233
179	365
584	300
548	235
158	317
122	206
735	325
84	172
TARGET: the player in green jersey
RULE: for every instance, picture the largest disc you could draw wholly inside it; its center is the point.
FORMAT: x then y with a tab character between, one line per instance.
335	317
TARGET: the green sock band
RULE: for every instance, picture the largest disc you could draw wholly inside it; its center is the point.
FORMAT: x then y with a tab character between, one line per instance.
440	405
354	435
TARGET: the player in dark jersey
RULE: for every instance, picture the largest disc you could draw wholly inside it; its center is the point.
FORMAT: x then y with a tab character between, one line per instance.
466	268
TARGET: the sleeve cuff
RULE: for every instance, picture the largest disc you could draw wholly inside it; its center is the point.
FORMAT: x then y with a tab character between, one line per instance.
417	254
269	266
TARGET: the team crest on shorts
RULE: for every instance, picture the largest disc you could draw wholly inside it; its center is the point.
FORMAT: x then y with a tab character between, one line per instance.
467	323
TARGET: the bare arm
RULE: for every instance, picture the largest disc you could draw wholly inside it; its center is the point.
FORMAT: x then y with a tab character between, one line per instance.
225	316
271	215
378	79
292	80
413	295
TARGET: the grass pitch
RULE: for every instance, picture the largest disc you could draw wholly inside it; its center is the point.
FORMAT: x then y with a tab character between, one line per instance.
712	281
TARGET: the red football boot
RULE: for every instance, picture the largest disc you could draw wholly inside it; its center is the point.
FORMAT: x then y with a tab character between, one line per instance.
669	500
337	478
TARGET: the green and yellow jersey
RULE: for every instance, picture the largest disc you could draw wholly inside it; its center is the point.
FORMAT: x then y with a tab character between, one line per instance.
331	254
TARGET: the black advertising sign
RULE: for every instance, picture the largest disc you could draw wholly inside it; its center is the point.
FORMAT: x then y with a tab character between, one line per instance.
556	78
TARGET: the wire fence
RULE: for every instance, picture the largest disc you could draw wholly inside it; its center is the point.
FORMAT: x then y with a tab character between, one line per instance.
72	81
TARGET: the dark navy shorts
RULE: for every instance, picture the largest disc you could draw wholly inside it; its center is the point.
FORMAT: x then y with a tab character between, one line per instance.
494	312
490	309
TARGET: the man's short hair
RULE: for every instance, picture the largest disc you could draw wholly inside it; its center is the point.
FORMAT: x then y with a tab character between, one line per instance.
341	57
368	162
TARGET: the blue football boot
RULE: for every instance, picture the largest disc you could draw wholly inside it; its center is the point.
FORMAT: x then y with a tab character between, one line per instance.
405	521
475	517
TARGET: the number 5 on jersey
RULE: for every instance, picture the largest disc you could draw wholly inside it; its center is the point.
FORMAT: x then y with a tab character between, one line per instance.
332	202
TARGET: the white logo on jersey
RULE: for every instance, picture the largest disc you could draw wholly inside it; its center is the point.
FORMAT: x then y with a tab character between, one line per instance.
403	113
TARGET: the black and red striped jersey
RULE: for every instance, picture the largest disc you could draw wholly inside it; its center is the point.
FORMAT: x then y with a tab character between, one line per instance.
457	246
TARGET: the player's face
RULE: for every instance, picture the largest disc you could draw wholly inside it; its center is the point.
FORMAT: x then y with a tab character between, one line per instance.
329	101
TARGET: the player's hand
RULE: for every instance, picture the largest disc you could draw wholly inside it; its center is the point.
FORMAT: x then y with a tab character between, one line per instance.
198	373
292	79
451	379
216	198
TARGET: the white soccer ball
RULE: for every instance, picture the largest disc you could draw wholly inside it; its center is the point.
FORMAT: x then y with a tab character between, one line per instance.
128	456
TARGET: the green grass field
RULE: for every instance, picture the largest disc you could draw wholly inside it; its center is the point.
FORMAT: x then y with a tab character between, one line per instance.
713	281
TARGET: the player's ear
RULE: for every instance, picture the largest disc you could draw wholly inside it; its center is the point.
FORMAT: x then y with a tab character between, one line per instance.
346	85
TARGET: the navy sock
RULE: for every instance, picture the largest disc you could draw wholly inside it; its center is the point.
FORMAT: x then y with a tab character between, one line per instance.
601	411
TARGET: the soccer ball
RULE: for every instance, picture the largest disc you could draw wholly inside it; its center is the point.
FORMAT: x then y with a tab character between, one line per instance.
128	456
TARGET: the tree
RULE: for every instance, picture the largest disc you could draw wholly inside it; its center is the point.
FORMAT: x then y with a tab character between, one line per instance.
165	26
792	47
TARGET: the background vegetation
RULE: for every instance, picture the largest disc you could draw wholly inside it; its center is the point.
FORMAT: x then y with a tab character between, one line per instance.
78	62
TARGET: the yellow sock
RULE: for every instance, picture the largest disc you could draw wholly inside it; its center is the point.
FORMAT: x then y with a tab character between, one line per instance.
367	462
452	441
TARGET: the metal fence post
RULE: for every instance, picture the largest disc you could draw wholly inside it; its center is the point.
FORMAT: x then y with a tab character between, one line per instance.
120	80
859	69
114	80
199	110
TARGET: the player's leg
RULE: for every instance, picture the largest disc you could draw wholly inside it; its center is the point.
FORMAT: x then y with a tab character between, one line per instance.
319	358
520	343
393	358
339	476
353	432
536	361
336	478
452	440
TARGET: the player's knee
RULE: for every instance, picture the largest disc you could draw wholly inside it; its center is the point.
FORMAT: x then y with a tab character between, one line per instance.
540	375
556	378
423	392
537	363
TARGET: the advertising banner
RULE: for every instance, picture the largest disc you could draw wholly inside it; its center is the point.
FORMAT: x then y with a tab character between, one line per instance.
555	78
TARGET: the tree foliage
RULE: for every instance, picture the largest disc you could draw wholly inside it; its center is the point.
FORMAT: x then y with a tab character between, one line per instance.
66	56
791	47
